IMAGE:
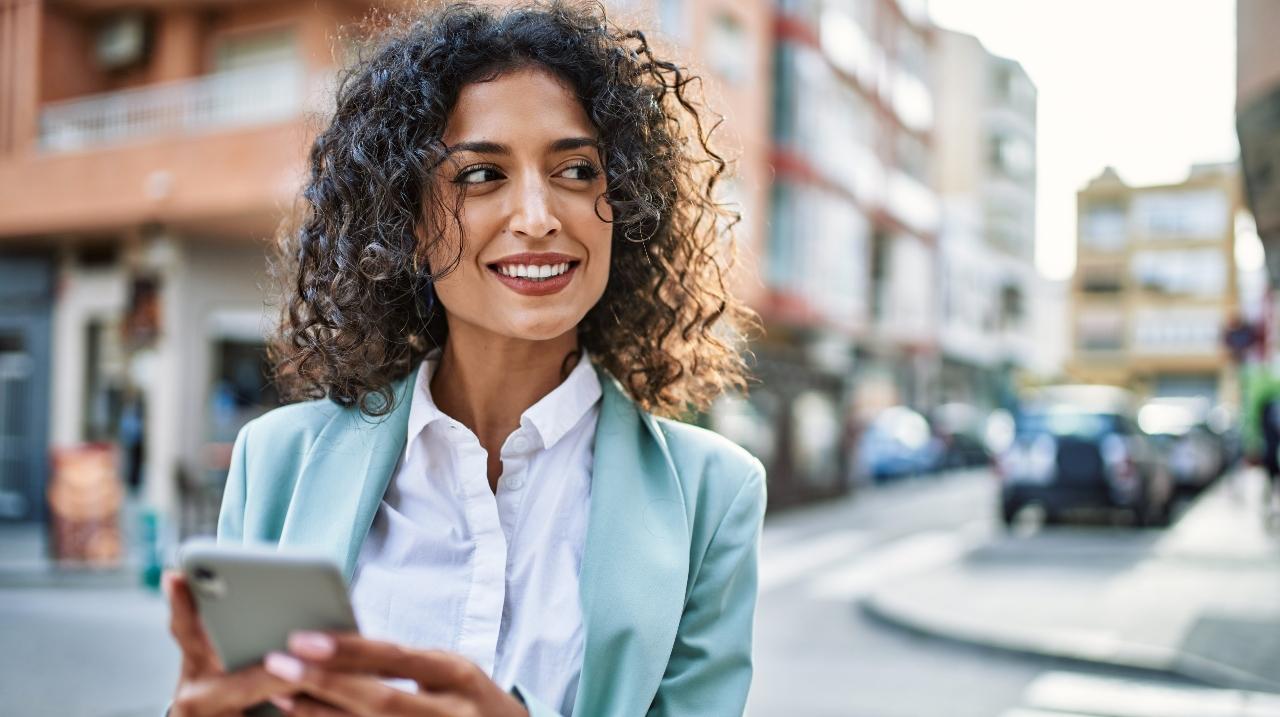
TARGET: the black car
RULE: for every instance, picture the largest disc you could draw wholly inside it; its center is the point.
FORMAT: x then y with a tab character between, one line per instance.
1080	447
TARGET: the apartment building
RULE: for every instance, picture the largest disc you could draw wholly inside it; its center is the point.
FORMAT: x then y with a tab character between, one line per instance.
1155	284
147	151
849	265
985	173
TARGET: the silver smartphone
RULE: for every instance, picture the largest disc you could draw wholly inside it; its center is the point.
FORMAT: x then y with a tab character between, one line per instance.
251	598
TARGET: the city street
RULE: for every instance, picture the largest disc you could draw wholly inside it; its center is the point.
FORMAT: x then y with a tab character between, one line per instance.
105	653
819	654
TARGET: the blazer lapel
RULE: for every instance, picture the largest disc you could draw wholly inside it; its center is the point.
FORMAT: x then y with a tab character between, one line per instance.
635	565
344	479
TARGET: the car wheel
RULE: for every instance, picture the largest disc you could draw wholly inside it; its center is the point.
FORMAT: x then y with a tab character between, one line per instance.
1009	512
1148	514
1163	515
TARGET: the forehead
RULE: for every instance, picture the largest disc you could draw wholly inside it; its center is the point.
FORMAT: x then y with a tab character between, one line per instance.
525	104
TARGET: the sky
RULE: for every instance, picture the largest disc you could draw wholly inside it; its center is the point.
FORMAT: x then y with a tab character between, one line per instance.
1145	86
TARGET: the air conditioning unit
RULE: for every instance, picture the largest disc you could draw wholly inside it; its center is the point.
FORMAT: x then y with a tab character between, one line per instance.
122	40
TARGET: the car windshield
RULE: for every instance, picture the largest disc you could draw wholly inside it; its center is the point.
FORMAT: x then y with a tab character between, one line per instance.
1065	421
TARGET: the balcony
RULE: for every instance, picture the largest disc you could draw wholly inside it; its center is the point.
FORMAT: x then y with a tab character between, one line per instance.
226	100
220	154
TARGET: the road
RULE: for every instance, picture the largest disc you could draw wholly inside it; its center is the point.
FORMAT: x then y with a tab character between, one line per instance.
819	655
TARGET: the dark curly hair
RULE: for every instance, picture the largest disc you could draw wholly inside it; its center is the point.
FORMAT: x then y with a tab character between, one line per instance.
353	321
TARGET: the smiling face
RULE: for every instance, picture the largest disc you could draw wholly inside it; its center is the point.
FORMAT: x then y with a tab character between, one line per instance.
535	229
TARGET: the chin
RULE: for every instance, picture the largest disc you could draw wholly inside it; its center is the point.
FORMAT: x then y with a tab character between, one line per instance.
535	329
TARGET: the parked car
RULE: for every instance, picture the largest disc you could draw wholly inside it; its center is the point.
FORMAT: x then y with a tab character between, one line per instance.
1080	447
1193	451
897	442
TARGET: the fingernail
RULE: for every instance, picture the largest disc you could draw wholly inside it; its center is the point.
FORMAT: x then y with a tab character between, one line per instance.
313	645
284	703
284	666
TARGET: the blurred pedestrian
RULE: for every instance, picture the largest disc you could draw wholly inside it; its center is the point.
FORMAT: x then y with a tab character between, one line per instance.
512	261
1270	429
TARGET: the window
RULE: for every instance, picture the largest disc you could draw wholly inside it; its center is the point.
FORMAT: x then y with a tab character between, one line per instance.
728	49
1011	306
239	51
1104	227
843	38
1183	214
1199	272
671	18
879	275
781	268
105	381
913	156
784	93
1100	331
913	54
1101	280
241	390
1012	156
1180	331
911	99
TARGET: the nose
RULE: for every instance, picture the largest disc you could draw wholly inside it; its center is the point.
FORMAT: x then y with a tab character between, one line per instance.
533	216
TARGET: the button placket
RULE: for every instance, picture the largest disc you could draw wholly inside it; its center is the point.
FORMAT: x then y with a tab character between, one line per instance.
481	627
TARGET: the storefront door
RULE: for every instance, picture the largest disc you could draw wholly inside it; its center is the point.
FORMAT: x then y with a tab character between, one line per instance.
25	302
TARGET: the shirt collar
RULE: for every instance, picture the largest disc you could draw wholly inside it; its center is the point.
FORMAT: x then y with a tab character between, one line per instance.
551	417
559	411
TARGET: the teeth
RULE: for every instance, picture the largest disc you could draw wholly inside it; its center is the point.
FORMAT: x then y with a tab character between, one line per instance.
524	271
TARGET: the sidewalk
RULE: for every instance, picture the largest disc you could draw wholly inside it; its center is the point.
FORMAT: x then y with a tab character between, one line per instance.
1201	599
25	560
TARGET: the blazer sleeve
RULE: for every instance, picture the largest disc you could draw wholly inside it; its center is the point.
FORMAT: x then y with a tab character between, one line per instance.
231	516
709	672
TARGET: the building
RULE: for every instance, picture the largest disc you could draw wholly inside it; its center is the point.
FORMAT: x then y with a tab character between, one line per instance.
146	152
985	171
848	265
1258	119
1155	284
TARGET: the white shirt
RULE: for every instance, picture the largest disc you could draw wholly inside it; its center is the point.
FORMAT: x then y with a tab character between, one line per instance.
448	564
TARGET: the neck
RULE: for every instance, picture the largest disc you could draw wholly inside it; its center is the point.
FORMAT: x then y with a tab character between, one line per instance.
486	382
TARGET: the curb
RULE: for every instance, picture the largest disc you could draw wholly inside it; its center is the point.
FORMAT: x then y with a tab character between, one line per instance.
1106	650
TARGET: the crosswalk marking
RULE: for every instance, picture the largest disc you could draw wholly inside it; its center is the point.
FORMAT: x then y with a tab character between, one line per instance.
1073	694
844	564
900	558
783	565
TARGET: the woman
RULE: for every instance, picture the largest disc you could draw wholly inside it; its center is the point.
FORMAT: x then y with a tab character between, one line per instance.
511	261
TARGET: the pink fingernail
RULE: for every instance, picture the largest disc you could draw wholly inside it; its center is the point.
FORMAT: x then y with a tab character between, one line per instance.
284	666
284	703
313	645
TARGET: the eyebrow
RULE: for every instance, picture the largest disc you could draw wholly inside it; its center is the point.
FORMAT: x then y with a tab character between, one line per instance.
485	147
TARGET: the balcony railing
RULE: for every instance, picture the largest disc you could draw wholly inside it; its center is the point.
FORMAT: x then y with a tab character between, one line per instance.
237	98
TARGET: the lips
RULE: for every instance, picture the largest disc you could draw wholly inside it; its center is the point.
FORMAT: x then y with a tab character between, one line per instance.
535	274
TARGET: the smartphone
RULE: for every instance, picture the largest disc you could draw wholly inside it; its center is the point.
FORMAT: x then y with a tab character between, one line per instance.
251	598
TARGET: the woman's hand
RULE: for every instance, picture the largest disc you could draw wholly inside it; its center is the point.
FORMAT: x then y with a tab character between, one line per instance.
339	674
205	689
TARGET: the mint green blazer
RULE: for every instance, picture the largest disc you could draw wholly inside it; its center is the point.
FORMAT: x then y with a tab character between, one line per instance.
668	581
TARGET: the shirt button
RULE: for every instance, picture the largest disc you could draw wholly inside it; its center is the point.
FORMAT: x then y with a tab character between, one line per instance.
520	443
515	482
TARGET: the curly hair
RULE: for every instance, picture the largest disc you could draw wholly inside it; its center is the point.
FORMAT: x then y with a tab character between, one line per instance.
352	320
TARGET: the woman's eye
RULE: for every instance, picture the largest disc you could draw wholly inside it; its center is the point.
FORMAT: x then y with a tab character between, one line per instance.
478	175
584	171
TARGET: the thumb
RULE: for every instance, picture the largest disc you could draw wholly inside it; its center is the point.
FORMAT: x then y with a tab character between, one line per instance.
198	656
